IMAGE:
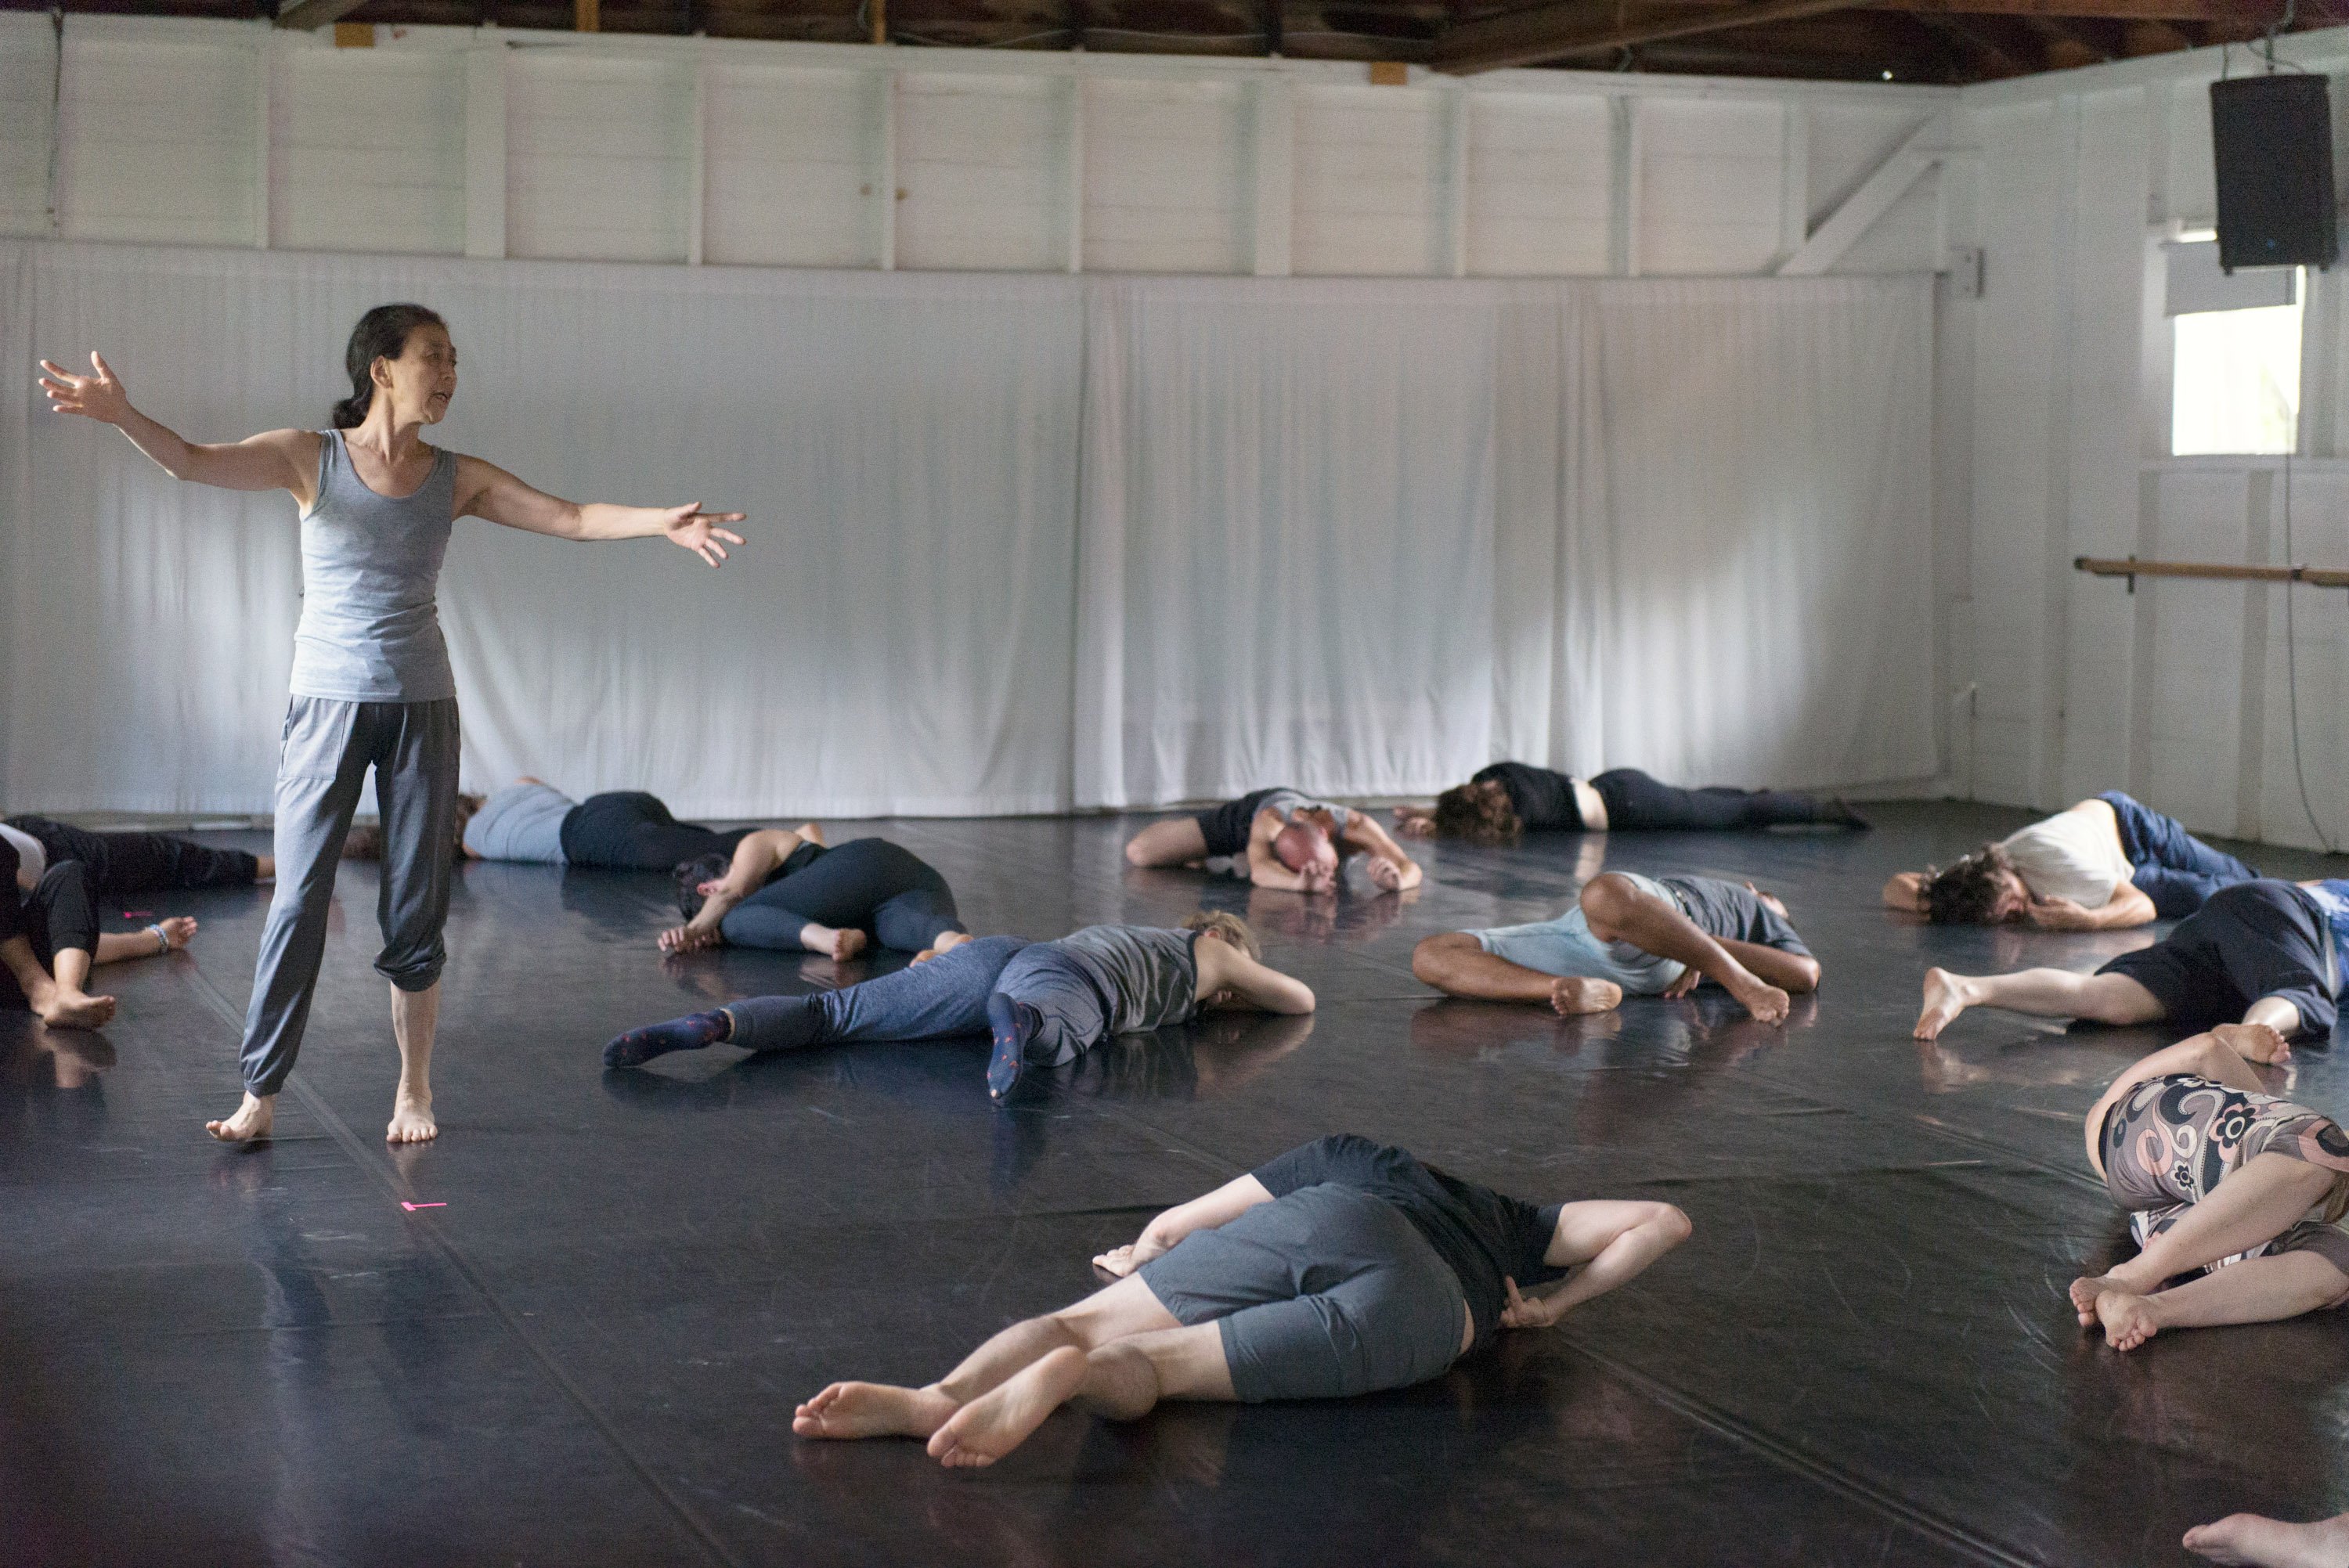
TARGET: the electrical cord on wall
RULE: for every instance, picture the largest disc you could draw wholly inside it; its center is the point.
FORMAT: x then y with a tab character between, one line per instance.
2291	668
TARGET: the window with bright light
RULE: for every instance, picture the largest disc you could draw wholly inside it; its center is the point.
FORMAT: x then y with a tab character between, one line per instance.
2235	381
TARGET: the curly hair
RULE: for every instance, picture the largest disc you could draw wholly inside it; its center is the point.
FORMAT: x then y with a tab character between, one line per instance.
1480	813
1222	923
1968	892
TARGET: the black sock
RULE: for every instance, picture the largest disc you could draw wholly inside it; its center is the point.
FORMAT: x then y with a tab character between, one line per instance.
694	1032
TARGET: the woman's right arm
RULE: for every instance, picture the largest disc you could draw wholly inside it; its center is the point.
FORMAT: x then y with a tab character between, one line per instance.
1905	892
1220	1207
274	459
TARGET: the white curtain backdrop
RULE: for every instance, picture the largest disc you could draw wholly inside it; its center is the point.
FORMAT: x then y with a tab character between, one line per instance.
1018	544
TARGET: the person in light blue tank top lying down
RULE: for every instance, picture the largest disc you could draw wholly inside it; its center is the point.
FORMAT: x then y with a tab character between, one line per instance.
1635	936
371	684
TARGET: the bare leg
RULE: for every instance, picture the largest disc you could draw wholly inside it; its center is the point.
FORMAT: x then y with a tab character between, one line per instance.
415	1017
2258	1204
1178	842
2044	993
265	868
2247	1538
114	947
2276	1012
1619	911
1123	1380
881	1409
2257	1290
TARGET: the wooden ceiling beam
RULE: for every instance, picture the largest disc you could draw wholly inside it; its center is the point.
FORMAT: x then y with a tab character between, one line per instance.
2114	10
312	14
1547	32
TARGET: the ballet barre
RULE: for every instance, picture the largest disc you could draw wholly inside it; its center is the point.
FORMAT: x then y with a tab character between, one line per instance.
2210	570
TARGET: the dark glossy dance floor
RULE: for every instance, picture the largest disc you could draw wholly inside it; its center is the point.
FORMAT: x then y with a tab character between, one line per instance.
589	1353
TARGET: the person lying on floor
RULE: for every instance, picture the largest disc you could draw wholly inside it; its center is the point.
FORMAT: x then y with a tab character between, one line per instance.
532	821
784	890
1632	934
2234	1190
115	863
2257	953
2106	863
1506	799
1045	1002
1340	1268
1278	838
2259	1542
49	941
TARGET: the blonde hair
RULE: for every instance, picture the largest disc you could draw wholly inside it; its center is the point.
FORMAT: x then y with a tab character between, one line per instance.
1222	923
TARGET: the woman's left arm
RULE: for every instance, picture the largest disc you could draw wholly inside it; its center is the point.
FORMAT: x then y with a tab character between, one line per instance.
487	490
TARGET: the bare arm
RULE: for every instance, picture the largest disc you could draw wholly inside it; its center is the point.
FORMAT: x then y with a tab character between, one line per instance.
274	459
1229	977
487	490
1220	1207
755	859
2127	907
34	981
1792	971
1391	869
1616	1240
1905	892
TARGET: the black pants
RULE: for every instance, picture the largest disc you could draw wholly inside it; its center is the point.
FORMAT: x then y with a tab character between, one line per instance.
867	884
57	915
629	831
118	863
1637	803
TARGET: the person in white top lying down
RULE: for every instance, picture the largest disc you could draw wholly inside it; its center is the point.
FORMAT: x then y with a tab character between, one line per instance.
2105	863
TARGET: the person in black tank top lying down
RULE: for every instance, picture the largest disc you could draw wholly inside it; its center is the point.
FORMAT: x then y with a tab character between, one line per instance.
1410	1269
371	685
1507	800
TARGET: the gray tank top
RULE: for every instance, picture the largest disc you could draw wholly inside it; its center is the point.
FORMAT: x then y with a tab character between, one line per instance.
370	628
1152	976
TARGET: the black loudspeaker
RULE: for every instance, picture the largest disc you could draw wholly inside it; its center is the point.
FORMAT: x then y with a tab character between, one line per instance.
2271	140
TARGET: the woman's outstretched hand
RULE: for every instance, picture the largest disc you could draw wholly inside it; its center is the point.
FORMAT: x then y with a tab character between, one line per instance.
697	530
99	397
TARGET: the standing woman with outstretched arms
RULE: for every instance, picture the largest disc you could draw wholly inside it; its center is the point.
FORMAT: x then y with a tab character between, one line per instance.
371	682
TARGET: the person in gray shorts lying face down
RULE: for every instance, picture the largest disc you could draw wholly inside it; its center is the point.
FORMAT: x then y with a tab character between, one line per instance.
1632	934
1409	1270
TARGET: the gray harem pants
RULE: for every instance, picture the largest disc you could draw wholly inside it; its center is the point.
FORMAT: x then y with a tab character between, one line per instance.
327	749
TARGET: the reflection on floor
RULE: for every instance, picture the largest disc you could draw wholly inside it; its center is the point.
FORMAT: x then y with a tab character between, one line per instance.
589	1355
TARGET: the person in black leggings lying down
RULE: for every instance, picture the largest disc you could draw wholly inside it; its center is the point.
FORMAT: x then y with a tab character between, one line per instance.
115	863
49	940
784	889
1506	799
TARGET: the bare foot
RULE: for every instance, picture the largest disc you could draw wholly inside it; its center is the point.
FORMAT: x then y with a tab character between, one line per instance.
265	868
2085	1292
2254	1043
252	1119
411	1119
64	1009
1944	1000
810	831
178	930
872	1410
1766	1002
1575	996
2248	1538
1000	1419
2127	1318
840	946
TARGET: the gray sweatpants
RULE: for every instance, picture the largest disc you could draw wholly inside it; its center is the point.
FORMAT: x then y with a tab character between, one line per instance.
321	764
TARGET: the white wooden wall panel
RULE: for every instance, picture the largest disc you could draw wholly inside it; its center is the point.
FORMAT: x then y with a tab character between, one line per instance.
1710	186
982	160
159	143
1368	198
1165	177
26	60
1539	184
794	176
599	150
368	153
